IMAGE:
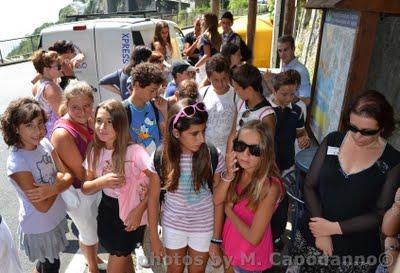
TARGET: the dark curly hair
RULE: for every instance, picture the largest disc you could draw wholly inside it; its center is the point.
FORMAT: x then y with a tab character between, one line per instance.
20	111
146	74
62	47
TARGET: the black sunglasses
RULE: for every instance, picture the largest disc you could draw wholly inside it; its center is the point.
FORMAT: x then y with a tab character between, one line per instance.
364	132
245	114
240	146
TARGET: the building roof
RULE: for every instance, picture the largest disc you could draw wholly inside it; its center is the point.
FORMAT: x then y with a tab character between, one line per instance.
384	6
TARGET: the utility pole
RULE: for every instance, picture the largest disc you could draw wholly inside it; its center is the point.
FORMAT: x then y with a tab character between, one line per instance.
251	24
215	7
288	19
276	32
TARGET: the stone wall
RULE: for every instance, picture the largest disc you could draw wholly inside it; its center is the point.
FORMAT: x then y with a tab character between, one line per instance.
384	71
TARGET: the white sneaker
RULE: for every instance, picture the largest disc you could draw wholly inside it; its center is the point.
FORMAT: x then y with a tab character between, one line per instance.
141	259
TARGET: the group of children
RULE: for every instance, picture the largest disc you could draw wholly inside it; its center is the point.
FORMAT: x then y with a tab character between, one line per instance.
204	162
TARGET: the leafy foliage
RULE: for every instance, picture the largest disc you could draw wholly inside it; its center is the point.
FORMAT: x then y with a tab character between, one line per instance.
184	19
64	12
238	4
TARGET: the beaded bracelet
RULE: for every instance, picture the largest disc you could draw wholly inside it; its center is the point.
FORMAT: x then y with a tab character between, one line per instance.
226	180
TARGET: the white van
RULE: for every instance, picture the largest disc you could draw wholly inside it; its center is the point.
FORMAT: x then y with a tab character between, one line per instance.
106	44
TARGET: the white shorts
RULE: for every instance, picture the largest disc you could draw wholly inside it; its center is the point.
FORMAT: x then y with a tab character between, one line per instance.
176	239
9	260
85	217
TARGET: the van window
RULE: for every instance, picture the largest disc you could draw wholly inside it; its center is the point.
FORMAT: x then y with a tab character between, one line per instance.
180	38
137	38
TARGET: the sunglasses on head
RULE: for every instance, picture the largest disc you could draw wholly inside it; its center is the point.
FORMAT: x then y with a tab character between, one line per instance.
363	132
240	146
189	111
245	114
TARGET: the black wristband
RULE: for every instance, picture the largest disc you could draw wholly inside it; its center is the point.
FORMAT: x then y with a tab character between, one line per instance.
216	241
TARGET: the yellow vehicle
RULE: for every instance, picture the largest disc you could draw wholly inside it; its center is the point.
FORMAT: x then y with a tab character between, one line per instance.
263	38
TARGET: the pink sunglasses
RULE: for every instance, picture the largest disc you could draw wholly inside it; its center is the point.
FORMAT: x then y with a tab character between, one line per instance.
189	111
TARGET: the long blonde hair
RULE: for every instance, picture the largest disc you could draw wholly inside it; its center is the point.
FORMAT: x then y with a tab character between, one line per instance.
266	168
119	119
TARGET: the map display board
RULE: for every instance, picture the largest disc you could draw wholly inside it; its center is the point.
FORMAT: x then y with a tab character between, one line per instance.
336	51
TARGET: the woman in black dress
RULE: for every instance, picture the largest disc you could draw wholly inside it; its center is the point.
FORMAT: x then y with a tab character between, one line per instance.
350	184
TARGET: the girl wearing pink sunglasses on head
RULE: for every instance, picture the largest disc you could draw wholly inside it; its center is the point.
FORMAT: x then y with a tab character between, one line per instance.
188	169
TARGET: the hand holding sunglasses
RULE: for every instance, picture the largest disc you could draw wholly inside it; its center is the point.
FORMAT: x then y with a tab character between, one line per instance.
231	168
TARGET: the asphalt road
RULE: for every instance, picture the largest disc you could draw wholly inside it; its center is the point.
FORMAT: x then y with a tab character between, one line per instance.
15	83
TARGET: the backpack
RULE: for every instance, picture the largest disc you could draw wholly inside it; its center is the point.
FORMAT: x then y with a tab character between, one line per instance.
126	102
158	165
245	51
234	95
280	216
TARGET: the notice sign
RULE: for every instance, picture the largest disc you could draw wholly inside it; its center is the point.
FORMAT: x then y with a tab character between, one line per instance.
333	68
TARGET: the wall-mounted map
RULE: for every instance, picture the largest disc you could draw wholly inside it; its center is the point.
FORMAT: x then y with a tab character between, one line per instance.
334	62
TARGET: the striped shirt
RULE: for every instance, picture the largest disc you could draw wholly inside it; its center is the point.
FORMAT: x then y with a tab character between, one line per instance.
185	209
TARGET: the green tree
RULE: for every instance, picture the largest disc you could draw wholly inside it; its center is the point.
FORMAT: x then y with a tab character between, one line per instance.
64	12
238	4
28	45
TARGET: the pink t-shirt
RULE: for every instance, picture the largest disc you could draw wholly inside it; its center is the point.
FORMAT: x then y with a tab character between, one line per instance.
130	195
240	251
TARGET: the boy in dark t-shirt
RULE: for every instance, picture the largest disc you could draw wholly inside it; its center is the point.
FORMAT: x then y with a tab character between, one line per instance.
289	118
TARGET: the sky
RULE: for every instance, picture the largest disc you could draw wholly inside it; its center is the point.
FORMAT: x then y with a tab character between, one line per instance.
20	17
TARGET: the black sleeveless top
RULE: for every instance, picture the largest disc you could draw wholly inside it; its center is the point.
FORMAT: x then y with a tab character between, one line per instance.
357	201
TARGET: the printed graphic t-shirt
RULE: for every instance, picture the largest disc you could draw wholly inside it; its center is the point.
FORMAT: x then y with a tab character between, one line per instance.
40	163
144	128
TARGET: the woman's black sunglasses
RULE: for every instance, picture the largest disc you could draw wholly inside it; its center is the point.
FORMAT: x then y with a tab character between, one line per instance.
364	132
240	146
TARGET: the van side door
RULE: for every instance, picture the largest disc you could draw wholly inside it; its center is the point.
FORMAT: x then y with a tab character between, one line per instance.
113	47
82	36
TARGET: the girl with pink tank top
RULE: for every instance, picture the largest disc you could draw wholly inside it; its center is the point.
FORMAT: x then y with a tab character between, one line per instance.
71	136
251	190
